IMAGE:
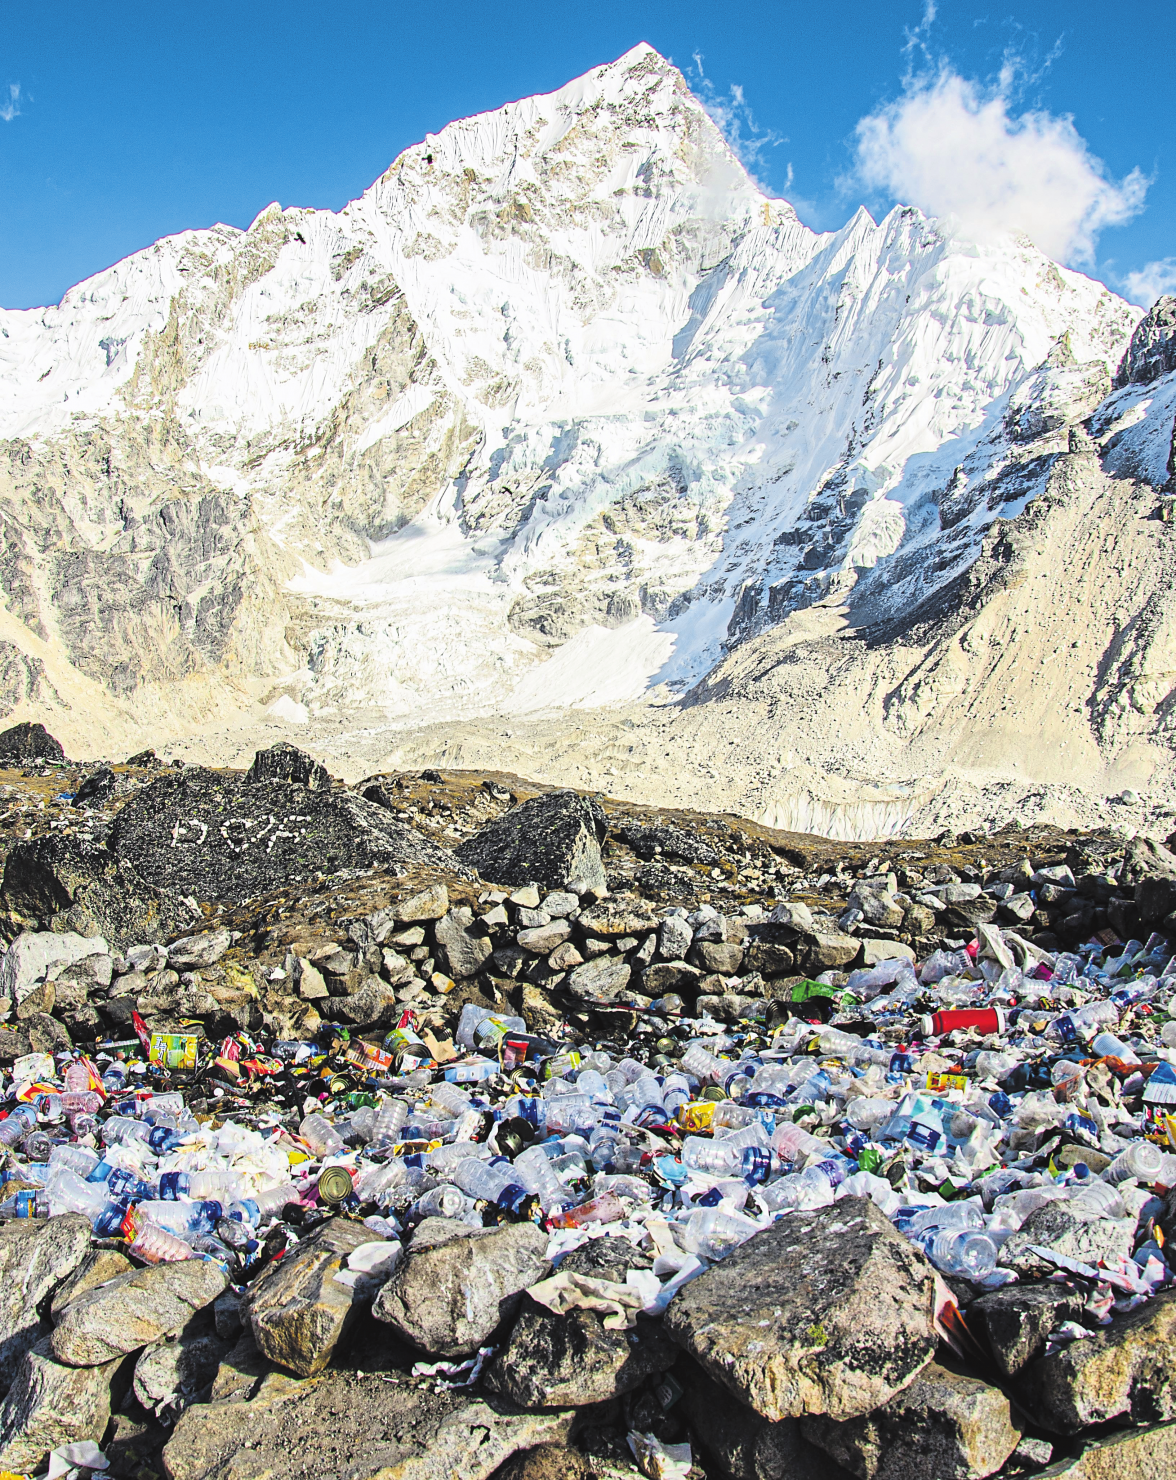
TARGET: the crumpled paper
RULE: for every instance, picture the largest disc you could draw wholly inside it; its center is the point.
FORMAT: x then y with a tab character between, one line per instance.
619	1304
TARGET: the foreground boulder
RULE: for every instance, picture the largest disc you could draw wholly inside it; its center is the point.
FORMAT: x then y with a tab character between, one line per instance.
298	1309
744	1445
172	1374
134	1310
1057	1228
353	1426
566	1361
1142	1454
29	742
36	1259
826	1312
551	840
217	836
1123	1372
1018	1320
35	955
50	1404
458	1285
944	1426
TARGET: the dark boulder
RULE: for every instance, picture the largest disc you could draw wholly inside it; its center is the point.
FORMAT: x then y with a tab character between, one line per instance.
285	762
85	888
29	742
551	840
662	841
216	836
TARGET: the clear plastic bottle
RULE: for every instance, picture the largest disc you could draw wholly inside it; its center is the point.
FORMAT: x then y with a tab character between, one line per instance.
530	1108
534	1171
260	1205
1141	1160
155	1245
568	1113
839	1044
114	1077
17	1125
798	1191
1096	1199
722	1159
321	1136
445	1201
452	1100
374	1182
607	1208
118	1129
67	1193
961	1251
391	1118
492	1182
792	1143
867	1111
223	1186
1109	1045
715	1234
79	1159
76	1077
182	1218
81	1102
705	1066
730	1115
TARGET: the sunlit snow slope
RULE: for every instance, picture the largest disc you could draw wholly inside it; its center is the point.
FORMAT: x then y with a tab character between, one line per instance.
558	411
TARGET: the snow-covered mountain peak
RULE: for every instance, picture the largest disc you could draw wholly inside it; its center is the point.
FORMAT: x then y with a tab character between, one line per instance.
556	410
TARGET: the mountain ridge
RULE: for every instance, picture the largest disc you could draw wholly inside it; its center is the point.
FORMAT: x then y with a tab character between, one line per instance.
562	412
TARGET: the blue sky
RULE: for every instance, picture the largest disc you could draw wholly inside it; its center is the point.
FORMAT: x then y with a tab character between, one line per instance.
123	122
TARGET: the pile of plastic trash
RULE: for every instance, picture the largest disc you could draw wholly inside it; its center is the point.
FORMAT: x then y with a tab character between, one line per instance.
960	1096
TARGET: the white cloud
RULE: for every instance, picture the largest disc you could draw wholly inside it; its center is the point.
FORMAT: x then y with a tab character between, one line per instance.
1150	282
953	149
10	107
733	116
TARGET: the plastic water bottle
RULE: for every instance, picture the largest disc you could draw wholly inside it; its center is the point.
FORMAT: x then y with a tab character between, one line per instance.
715	1234
321	1136
259	1205
114	1077
17	1125
530	1108
1141	1160
705	1066
1096	1199
67	1193
119	1129
867	1112
79	1159
792	1143
452	1100
721	1159
155	1245
731	1116
446	1201
533	1169
571	1113
391	1118
842	1045
492	1182
184	1219
961	1251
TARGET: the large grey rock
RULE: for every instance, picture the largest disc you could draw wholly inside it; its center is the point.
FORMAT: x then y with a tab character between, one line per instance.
285	762
172	1374
353	1426
1056	1228
461	952
98	1266
195	952
50	1404
744	1445
35	1260
133	1310
449	1297
1123	1372
215	836
602	979
554	1361
1141	1454
297	1309
824	1312
1018	1320
27	742
34	955
944	1426
551	840
673	938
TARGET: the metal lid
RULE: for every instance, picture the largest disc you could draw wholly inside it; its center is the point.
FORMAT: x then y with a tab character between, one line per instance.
334	1185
